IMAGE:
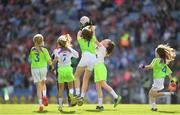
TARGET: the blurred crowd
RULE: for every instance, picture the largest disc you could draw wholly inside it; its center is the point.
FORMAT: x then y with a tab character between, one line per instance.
136	26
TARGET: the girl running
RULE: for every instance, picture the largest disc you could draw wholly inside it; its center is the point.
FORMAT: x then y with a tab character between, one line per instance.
164	54
63	56
100	73
40	58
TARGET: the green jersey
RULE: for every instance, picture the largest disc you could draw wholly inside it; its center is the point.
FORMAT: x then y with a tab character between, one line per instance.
40	58
88	46
160	70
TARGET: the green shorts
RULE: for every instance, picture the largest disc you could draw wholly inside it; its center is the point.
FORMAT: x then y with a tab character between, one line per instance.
100	72
65	74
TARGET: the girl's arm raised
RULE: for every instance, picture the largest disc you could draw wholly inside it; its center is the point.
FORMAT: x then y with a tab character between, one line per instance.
74	52
79	34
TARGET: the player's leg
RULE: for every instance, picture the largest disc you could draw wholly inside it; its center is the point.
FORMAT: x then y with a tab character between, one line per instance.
43	74
71	92
88	61
153	100
45	99
69	99
86	77
60	96
100	96
37	81
159	94
158	85
88	71
39	95
108	88
78	73
153	94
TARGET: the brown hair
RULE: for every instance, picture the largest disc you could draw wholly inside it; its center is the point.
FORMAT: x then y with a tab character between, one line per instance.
87	33
110	47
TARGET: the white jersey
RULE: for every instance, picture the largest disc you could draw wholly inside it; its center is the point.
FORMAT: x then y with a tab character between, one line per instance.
64	56
101	54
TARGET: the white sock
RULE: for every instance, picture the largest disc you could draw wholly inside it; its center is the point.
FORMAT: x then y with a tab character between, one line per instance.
82	94
40	102
153	105
71	91
60	101
100	102
44	93
166	93
114	94
77	91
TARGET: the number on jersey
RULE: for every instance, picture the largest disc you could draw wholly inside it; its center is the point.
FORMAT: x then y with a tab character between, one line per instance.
164	69
64	57
37	57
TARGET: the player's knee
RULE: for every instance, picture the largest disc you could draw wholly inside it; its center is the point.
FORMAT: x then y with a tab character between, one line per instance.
150	93
43	82
153	93
103	84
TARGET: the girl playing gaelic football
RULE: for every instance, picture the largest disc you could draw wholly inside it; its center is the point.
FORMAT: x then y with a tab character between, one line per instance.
87	41
39	57
63	56
100	72
163	56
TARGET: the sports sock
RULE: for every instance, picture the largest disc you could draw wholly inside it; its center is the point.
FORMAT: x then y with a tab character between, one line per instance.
100	102
40	102
166	93
153	105
82	94
60	101
71	91
77	91
114	94
44	93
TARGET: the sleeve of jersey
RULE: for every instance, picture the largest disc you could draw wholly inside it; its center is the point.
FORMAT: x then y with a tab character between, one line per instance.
30	56
154	61
74	52
47	55
54	53
168	71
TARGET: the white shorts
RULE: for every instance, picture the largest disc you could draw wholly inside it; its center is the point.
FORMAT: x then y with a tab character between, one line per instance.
39	74
158	84
87	60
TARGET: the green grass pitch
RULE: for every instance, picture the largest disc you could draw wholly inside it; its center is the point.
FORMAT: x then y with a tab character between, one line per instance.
89	109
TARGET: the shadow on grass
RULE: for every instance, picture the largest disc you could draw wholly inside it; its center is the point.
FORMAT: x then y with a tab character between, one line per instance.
44	111
173	112
63	112
67	112
94	110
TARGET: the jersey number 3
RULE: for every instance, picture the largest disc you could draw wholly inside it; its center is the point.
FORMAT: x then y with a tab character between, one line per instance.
164	69
37	57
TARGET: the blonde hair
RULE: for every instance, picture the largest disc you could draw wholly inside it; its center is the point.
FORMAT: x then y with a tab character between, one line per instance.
38	39
64	40
169	52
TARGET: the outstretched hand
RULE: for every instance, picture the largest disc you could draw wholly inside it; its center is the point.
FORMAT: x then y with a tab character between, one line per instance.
141	66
